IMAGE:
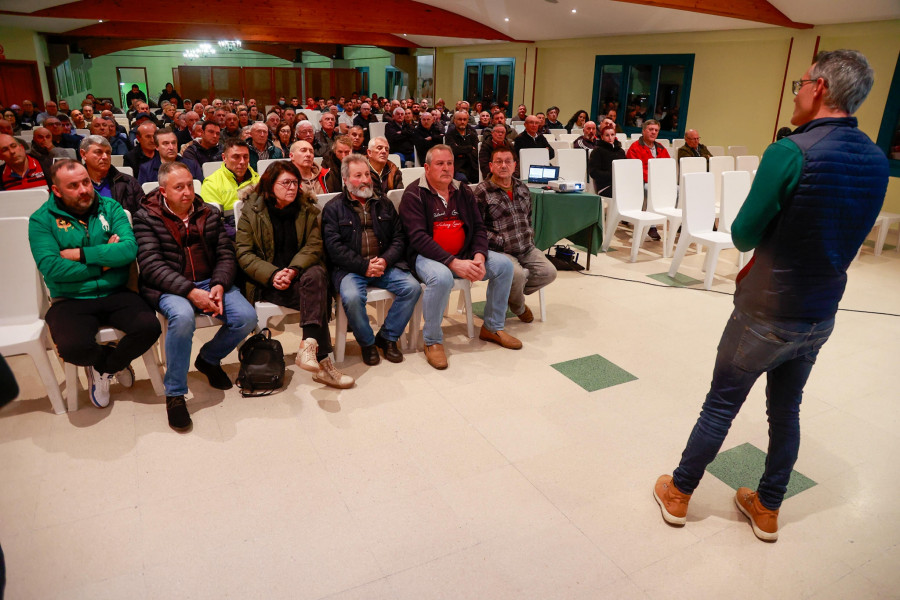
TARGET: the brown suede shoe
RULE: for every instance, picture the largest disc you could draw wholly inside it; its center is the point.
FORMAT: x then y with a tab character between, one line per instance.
672	502
527	316
763	520
435	356
500	337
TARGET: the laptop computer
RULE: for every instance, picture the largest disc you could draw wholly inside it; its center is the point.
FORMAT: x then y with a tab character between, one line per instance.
542	174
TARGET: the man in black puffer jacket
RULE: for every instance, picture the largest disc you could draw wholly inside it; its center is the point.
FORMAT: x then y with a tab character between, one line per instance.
187	267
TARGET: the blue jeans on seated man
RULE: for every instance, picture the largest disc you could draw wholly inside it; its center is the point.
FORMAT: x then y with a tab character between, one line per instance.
406	292
785	352
438	280
239	319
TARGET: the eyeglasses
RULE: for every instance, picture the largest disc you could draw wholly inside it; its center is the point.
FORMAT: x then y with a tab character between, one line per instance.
796	85
504	162
289	184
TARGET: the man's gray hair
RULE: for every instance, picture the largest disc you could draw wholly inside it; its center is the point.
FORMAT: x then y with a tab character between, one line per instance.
303	125
167	169
351	159
371	145
437	148
398	110
94	140
648	123
848	77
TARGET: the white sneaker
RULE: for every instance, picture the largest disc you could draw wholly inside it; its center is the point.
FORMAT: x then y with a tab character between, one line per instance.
99	387
126	376
329	375
306	355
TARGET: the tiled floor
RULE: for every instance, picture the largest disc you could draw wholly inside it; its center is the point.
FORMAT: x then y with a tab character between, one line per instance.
497	478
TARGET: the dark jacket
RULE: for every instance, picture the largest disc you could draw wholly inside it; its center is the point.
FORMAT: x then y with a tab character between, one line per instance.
600	165
523	140
322	143
161	255
125	190
135	158
364	123
150	170
465	152
424	139
201	155
342	235
171	97
419	223
400	137
254	154
484	156
333	181
391	178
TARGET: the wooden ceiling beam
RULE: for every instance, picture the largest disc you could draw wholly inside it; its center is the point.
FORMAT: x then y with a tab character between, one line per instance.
758	11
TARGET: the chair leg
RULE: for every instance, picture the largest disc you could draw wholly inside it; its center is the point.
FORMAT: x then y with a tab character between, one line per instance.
611	224
161	342
543	305
636	240
882	237
470	322
72	386
712	259
665	237
340	331
683	242
48	377
153	372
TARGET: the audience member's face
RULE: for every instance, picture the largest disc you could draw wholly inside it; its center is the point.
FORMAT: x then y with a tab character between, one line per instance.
63	105
210	136
341	150
359	180
217	103
179	190
97	158
198	110
590	130
88	111
6	127
98	127
27	107
378	153
169	111
237	159
484	119
407	115
220	116
9	116
365	109
74	189
11	151
243	118
143	107
608	136
55	127
499	117
231	121
272	121
167	145
426	120
502	165
531	125
145	137
440	172
284	134
285	188
302	155
289	115
43	138
552	115
612	115
358	136
51	108
692	139
398	117
461	120
541	119
650	132
328	122
498	134
260	135
306	134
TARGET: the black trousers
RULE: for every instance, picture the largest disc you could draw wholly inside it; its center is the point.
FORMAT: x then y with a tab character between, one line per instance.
308	294
74	325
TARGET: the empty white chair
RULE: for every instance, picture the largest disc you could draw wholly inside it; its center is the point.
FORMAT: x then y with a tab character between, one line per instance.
411	174
622	137
689	164
676	144
464	287
716	150
22	330
627	200
717	166
262	165
380	298
736	151
210	167
126	170
572	164
22	203
697	227
396	159
532	156
746	163
117	160
735	187
883	223
662	194
551	134
560	145
149	186
376	130
569	137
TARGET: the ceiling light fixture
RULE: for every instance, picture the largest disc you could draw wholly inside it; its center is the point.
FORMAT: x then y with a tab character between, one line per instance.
573	11
230	45
506	19
201	51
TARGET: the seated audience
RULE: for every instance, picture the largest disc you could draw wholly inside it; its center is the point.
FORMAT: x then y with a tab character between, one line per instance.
224	184
207	149
144	149
426	134
188	267
260	146
108	181
345	120
284	137
61	139
363	119
609	148
134	94
231	129
401	137
28	116
312	176
43	150
186	135
332	161
287	268
385	174
499	118
324	138
78	121
84	247
693	147
505	205
358	135
463	141
552	118
366	246
588	138
21	171
51	109
166	152
577	121
530	138
169	94
447	239
305	132
497	140
645	148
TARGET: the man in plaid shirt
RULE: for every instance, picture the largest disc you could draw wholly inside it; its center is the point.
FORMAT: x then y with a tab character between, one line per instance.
505	206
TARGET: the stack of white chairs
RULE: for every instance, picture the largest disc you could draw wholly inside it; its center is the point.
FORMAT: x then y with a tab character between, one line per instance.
735	187
697	227
662	192
626	205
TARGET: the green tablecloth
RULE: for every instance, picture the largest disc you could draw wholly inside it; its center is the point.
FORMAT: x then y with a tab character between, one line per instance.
572	216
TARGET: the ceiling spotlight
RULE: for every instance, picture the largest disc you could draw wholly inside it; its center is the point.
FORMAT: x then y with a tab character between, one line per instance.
506	19
574	11
404	35
100	21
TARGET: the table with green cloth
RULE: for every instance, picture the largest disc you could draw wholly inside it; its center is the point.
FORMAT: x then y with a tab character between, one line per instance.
577	217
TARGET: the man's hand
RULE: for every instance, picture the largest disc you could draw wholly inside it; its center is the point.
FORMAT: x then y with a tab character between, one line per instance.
113	239
467	269
376	267
216	295
283	279
71	254
201	299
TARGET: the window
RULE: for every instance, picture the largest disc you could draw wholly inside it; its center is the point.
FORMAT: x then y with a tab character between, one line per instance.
490	80
640	87
889	134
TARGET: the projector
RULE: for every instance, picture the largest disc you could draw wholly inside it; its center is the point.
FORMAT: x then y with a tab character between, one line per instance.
564	187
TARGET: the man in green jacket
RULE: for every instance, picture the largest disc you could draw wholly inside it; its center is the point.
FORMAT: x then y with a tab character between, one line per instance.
83	245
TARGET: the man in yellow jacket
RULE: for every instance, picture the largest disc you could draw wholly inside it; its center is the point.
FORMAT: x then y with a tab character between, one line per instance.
223	186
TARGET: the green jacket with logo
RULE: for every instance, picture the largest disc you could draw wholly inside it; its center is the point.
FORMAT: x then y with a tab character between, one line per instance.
104	268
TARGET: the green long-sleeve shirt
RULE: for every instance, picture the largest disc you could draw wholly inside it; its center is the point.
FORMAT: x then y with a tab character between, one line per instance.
776	180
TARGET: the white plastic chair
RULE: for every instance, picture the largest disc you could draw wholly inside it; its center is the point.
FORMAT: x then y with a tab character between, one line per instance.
572	164
22	330
716	150
532	156
689	164
396	159
662	192
717	166
883	223
464	287
265	163
627	200
736	151
126	170
117	160
519	128
676	144
569	137
735	187
376	130
211	167
746	163
149	186
551	135
22	203
635	136
622	137
411	174
697	227
560	145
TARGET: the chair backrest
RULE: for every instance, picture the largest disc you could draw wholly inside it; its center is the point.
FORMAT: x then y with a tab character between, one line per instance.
716	150
318	160
628	184
19	294
551	134
395	158
211	167
22	203
520	127
323	199
622	137
411	174
662	184
395	196
689	164
532	156
83	132
560	144
746	163
238	207
736	151
735	187
575	131
27	135
265	163
717	166
569	137
117	160
126	170
677	143
198	186
376	130
635	136
149	186
572	164
699	202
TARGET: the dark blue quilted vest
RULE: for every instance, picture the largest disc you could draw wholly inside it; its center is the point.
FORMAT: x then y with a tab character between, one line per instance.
800	268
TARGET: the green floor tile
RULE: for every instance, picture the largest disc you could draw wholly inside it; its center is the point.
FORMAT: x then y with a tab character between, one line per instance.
678	281
478	310
594	372
743	465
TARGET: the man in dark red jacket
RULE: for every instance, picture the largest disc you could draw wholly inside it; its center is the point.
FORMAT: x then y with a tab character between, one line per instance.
187	267
644	149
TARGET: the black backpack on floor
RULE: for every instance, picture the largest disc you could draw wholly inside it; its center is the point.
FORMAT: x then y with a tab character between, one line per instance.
262	365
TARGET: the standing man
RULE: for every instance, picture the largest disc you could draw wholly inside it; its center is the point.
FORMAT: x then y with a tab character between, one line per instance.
366	246
644	149
806	215
505	205
463	141
447	240
693	147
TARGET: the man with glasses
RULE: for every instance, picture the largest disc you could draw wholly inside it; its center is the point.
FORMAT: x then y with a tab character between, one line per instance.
814	200
692	147
505	205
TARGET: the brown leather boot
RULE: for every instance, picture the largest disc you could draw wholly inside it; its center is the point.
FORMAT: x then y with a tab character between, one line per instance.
435	356
672	502
763	520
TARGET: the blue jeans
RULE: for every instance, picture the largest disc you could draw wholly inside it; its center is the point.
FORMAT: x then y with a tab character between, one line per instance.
438	280
406	292
239	319
785	352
